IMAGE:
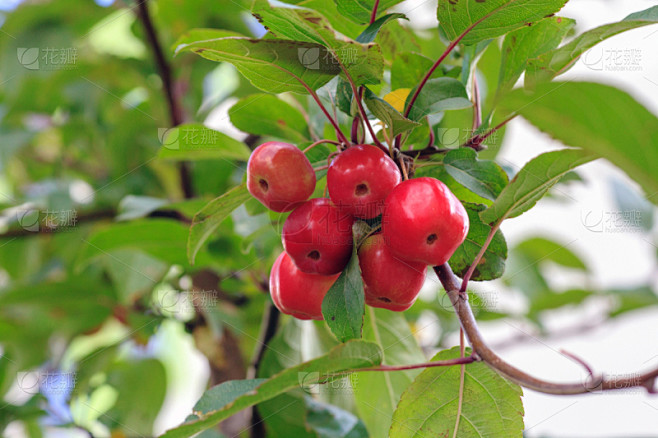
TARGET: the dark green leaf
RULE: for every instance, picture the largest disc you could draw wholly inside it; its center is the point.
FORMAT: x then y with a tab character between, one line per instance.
193	141
343	306
369	35
409	68
551	300
491	405
484	178
532	182
492	18
264	114
345	357
360	11
551	64
600	119
209	217
438	94
492	264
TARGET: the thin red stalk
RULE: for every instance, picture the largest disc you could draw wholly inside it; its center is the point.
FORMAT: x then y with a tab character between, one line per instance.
477	108
478	257
373	15
339	134
312	145
436	363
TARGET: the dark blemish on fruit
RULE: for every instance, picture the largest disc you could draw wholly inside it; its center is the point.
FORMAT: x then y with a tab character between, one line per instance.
361	189
314	255
384	299
431	238
264	186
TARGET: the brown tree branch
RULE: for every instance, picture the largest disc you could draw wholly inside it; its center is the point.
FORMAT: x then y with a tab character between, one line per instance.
481	350
176	114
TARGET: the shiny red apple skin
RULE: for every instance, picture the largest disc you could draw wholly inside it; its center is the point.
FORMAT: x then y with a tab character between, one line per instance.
297	293
280	176
423	221
389	282
360	178
318	237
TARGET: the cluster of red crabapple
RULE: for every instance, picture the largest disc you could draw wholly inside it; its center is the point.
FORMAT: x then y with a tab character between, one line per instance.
422	224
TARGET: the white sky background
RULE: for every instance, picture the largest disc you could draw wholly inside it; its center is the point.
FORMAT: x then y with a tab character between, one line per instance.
629	344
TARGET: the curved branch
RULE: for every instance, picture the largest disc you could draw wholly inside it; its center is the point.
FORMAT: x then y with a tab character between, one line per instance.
480	349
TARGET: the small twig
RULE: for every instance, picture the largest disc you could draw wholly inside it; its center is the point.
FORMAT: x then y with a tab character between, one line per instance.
579	361
476	141
312	145
354	134
373	15
480	349
403	167
436	363
317	169
477	109
358	95
478	257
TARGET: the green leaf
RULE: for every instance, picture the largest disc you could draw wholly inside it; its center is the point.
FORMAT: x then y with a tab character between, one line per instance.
542	249
530	42
387	114
360	11
207	220
492	18
364	62
483	177
409	68
491	405
532	182
551	64
377	394
193	141
600	119
343	358
492	264
627	300
550	300
331	422
369	35
438	94
344	304
162	238
149	376
274	66
225	393
264	114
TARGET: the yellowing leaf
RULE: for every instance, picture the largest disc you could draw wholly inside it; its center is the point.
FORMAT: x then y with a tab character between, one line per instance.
397	98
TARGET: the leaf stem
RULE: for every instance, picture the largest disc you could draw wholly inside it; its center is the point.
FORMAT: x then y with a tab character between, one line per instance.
476	141
373	15
339	134
478	257
436	363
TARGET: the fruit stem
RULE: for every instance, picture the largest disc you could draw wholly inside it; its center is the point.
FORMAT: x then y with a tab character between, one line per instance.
358	95
403	166
312	145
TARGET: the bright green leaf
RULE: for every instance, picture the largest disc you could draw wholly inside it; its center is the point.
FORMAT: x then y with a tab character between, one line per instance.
551	64
532	182
601	119
369	35
343	358
491	18
360	11
540	249
491	406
